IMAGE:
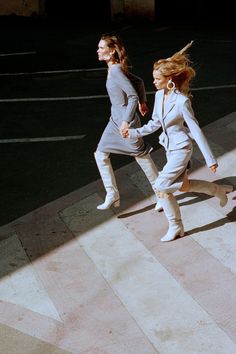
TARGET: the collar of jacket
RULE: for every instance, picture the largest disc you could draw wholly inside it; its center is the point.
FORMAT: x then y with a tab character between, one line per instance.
169	102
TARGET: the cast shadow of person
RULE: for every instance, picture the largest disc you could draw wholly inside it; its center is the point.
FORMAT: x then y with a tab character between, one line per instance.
230	217
199	197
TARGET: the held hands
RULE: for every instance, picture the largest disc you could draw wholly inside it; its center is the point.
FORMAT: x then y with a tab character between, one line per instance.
214	167
124	129
143	108
125	133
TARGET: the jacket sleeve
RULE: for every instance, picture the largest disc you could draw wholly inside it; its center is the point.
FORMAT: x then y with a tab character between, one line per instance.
146	129
139	86
125	85
149	128
198	134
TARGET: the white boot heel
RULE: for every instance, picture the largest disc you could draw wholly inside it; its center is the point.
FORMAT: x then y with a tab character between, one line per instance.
109	181
173	233
172	213
158	206
221	193
109	202
116	204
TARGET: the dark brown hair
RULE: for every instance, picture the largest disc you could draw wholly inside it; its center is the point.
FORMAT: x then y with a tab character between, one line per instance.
115	42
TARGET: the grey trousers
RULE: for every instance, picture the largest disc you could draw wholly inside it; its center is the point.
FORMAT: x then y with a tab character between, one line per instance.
170	179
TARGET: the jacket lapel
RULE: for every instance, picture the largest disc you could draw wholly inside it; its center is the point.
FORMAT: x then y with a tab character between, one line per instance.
159	105
169	104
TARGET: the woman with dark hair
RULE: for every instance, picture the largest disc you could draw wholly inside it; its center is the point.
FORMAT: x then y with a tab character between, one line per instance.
174	114
127	93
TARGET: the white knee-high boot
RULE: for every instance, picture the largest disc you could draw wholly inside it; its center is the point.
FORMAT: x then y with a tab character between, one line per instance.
172	213
149	168
217	190
109	181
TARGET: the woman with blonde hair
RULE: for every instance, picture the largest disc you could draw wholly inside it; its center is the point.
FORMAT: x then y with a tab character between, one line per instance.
174	114
127	93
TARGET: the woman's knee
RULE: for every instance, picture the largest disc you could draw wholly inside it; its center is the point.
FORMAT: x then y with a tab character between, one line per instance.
99	155
185	185
161	194
161	184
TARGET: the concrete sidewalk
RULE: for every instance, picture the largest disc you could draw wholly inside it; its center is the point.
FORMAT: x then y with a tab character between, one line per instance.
78	280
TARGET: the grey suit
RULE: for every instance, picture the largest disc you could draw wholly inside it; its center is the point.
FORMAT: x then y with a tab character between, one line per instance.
179	127
124	94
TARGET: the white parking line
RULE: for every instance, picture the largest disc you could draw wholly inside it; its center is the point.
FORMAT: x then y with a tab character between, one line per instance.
77	98
52	72
36	140
203	88
35	99
13	54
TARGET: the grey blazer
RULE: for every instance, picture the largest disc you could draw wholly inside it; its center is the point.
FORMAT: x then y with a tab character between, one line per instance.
178	123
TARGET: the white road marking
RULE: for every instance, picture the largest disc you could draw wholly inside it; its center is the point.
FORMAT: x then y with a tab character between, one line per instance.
36	140
77	98
21	285
36	99
203	88
52	72
12	54
143	285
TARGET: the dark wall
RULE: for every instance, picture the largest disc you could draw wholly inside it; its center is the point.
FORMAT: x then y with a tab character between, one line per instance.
194	12
175	12
72	10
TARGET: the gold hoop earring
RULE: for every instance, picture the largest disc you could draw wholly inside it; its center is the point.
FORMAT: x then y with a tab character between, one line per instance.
170	85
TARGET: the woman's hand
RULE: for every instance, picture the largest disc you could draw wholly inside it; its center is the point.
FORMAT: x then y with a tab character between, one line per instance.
124	126
214	167
125	133
143	108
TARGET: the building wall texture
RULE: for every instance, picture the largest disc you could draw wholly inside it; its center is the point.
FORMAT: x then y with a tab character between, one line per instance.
133	9
21	7
120	9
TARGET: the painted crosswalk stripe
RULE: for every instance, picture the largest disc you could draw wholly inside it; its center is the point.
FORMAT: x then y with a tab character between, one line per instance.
23	287
165	312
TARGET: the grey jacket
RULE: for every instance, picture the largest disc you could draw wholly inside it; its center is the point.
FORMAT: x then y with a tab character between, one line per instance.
178	123
124	93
